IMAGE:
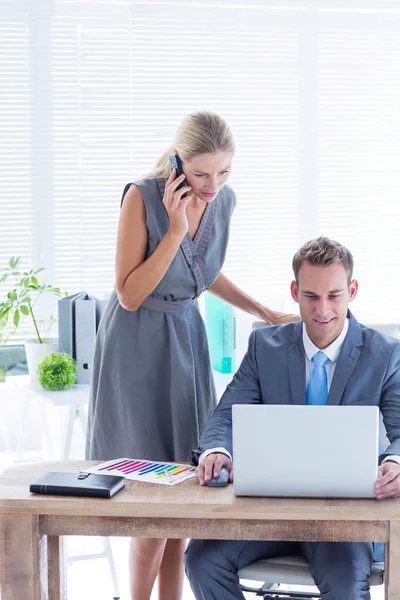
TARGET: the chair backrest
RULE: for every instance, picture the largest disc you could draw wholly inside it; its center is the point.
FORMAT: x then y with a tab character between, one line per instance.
392	329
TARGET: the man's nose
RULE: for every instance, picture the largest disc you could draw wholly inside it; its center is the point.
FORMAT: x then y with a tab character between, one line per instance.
323	307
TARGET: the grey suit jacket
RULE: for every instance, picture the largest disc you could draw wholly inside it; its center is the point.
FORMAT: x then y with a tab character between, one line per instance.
273	372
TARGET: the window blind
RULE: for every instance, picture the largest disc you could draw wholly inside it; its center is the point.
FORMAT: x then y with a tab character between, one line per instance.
93	92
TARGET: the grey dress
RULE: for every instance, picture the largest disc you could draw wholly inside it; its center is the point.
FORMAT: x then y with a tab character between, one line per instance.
152	388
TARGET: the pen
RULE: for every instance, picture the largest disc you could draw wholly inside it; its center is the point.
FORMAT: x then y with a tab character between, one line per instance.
168	476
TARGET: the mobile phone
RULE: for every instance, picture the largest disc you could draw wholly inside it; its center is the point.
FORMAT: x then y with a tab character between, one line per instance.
176	163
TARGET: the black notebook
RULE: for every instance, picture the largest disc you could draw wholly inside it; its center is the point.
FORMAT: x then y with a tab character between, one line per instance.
78	484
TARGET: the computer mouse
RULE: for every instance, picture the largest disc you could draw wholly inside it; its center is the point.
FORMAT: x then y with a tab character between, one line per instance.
220	481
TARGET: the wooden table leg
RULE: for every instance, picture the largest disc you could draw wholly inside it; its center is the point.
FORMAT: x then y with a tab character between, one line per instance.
392	562
57	566
20	558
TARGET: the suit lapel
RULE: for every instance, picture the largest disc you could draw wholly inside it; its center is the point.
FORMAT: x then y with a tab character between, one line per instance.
347	361
296	365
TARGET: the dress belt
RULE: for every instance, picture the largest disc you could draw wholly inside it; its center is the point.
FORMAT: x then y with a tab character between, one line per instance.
167	306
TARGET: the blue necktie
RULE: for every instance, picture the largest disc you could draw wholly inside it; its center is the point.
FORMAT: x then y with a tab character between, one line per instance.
317	389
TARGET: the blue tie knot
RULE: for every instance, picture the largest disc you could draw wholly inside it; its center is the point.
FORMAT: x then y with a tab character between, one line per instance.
320	359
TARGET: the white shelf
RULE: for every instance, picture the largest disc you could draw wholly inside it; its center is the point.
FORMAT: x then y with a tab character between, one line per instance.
76	395
36	398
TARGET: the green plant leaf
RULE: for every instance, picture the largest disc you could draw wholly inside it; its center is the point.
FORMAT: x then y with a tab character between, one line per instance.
4	310
14	261
17	302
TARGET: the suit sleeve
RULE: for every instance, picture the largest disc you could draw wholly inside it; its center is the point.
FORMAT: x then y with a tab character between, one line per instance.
390	404
243	389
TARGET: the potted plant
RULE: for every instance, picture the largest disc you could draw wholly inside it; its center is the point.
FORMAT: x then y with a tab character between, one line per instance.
57	371
19	306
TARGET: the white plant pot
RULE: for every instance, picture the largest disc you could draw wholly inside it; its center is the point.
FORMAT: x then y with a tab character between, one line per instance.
35	352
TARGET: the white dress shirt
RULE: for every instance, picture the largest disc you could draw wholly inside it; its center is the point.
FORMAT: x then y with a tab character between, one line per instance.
310	349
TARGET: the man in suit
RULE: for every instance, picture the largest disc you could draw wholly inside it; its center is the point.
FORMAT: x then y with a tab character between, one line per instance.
327	358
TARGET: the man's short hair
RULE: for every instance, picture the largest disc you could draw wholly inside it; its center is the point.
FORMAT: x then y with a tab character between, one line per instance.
322	252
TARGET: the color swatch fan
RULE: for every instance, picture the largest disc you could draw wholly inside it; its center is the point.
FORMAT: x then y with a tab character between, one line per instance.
146	470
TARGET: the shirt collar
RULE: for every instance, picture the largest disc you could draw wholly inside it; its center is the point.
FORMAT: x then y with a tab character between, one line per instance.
332	351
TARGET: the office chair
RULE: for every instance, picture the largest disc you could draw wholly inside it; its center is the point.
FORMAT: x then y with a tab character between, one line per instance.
294	570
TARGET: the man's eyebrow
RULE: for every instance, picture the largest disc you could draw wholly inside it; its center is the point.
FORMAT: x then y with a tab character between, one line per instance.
331	292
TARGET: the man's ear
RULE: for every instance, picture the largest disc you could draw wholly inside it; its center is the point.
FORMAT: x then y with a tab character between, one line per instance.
294	289
353	289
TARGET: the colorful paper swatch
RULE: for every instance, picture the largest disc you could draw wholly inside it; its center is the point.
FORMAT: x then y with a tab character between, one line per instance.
146	470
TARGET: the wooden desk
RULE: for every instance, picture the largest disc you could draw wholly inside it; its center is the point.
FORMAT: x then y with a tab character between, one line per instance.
32	526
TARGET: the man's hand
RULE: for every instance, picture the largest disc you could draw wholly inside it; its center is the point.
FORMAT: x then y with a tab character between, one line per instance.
388	483
211	466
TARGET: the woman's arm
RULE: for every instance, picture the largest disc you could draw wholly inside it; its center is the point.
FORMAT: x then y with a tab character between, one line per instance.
227	291
136	278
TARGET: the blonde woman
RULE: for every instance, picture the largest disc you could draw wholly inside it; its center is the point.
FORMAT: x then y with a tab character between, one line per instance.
152	388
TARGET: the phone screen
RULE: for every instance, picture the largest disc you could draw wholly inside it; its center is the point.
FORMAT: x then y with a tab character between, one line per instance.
176	163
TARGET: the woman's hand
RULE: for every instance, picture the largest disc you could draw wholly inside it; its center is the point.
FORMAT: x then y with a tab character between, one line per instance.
175	205
278	317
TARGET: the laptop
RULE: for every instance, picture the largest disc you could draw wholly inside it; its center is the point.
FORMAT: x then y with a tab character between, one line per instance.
305	451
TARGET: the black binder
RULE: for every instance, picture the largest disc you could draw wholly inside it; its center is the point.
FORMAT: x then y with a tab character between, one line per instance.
78	484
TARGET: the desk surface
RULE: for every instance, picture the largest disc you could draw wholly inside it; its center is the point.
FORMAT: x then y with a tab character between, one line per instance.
185	500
